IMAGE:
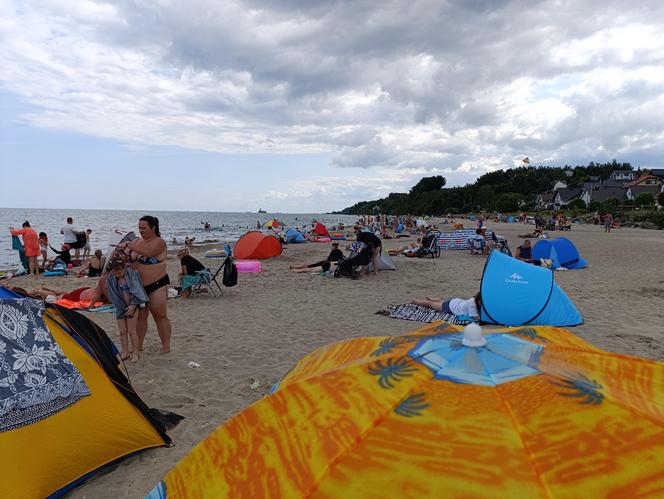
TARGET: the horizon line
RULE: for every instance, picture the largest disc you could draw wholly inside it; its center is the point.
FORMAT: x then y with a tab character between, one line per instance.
177	211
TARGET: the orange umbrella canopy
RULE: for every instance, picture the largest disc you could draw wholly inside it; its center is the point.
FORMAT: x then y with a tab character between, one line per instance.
535	412
255	244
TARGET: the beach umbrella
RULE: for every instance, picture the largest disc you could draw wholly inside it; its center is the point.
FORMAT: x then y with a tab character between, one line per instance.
274	223
516	412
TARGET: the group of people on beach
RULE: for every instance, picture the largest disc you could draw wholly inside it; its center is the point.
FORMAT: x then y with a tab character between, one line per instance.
36	245
135	280
367	255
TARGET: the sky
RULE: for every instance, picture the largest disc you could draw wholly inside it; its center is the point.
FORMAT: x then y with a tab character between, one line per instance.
309	106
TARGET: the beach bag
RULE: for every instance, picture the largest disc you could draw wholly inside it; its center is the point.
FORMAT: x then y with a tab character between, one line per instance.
230	273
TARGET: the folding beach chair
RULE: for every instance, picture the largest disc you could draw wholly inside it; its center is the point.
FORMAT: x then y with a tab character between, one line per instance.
208	280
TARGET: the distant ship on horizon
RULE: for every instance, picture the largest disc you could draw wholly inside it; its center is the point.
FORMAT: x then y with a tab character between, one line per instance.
262	211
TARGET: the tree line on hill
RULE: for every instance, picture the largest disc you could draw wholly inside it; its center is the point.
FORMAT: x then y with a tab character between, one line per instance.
502	190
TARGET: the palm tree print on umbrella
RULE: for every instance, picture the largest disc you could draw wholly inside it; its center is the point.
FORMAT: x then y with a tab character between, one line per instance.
530	333
389	344
391	371
413	405
583	388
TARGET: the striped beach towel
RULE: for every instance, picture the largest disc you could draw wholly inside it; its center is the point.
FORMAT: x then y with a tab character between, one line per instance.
458	240
410	312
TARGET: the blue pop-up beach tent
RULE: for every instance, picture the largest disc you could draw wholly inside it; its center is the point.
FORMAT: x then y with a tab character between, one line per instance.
516	293
561	251
294	236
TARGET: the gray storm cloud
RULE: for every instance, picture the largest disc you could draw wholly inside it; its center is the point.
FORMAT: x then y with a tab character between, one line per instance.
395	85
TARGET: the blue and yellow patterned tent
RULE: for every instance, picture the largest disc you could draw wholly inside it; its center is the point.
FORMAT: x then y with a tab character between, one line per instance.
105	422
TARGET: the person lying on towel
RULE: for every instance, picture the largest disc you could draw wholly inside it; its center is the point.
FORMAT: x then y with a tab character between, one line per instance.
535	234
407	249
52	295
456	306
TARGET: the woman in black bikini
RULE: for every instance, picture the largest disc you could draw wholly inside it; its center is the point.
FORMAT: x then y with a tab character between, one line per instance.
151	265
94	266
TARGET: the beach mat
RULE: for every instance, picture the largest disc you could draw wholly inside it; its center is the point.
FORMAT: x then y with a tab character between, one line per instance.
410	312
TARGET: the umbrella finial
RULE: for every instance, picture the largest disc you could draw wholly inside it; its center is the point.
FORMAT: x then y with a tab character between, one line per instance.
472	336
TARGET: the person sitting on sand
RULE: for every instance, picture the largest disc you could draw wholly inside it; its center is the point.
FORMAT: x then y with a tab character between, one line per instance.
324	265
477	243
456	306
94	266
189	273
63	257
126	292
525	253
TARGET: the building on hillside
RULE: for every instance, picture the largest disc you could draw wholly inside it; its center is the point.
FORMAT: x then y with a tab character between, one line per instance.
646	178
544	201
622	175
601	193
598	184
565	196
559	185
568	172
657	172
612	184
635	190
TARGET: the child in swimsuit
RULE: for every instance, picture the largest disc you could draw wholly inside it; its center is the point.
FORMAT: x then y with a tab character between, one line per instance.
86	248
43	247
126	292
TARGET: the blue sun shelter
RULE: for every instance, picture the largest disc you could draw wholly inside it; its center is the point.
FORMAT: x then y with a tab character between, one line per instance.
561	251
516	293
294	236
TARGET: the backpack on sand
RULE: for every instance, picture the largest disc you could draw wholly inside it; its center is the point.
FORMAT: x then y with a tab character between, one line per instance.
230	273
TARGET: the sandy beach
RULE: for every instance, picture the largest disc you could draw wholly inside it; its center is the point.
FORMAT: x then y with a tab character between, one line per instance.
261	327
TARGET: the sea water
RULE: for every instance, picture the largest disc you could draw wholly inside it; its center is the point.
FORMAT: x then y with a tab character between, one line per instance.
226	227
